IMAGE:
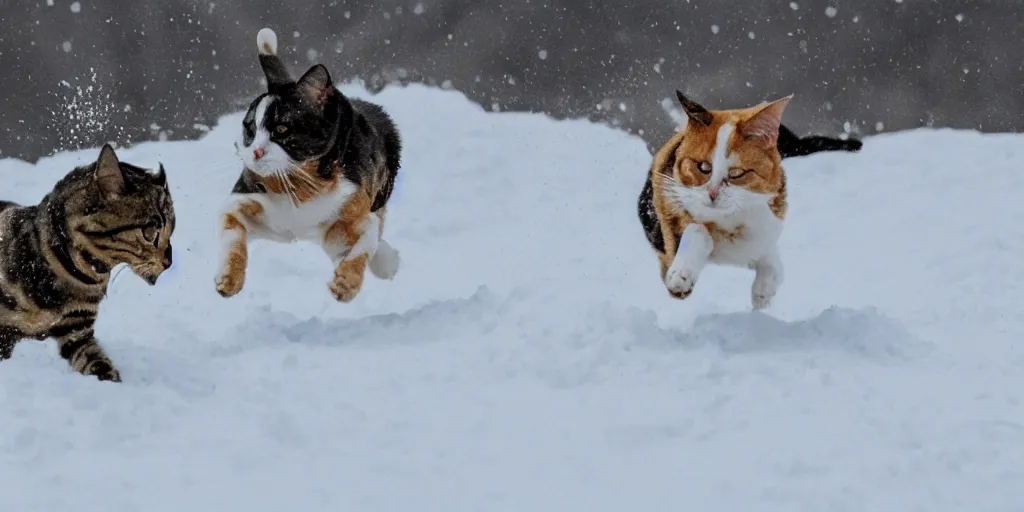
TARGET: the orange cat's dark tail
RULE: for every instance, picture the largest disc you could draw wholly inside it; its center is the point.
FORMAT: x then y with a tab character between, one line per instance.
790	144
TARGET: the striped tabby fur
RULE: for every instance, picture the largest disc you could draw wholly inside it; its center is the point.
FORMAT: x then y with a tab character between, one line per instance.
56	257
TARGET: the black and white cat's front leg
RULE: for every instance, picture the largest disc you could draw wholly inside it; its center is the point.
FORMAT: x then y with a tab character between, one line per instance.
695	247
240	219
76	342
767	278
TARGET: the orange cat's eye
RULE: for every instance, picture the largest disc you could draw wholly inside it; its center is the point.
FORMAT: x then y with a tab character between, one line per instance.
737	173
704	167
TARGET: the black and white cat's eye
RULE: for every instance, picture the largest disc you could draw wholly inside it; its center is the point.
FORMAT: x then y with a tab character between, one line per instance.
249	131
281	129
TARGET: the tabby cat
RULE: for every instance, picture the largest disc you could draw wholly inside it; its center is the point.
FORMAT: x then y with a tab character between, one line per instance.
318	166
56	257
718	192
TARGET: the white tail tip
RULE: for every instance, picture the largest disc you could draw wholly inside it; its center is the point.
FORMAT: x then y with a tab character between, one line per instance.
384	263
266	41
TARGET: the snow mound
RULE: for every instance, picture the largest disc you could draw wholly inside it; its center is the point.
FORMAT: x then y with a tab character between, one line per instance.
862	332
527	357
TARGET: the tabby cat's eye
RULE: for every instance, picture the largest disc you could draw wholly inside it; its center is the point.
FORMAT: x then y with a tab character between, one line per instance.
704	167
149	233
737	173
281	128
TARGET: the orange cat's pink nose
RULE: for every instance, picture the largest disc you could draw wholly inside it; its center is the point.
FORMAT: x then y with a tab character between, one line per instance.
713	193
258	153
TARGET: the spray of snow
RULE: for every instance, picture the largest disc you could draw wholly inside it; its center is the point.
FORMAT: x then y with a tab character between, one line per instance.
84	110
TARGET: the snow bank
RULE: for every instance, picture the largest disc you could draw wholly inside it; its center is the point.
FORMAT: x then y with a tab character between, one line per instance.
526	357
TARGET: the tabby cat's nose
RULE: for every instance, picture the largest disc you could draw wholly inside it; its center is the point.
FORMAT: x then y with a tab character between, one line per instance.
167	258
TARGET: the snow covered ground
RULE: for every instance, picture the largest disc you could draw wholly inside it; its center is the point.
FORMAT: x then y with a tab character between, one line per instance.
526	357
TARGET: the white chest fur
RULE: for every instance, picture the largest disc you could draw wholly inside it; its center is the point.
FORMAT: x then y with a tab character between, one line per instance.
303	222
284	221
744	236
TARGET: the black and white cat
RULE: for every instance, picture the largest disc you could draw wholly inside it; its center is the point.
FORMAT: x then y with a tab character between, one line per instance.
319	167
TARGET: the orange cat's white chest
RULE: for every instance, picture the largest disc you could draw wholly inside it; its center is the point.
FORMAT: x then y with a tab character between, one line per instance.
744	237
303	221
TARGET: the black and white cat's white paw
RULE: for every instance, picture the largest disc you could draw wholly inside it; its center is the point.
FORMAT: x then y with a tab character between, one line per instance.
385	261
680	280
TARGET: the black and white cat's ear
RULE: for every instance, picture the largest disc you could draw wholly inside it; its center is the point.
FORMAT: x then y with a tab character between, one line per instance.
108	174
765	123
274	68
695	111
316	84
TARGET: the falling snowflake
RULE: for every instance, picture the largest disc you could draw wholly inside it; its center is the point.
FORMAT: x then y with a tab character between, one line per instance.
543	54
831	11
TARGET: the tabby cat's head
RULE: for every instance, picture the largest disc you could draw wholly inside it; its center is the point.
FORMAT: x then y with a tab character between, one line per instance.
294	122
728	159
118	213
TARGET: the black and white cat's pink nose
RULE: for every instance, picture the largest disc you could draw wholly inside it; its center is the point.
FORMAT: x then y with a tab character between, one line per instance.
258	153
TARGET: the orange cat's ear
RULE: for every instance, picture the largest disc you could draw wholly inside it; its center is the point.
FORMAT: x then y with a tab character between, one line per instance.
765	123
694	110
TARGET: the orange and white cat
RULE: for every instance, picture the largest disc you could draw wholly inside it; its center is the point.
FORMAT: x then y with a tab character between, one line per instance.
719	195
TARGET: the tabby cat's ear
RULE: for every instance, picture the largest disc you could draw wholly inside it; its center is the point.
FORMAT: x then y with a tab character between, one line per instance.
694	110
161	176
765	123
274	68
316	84
108	173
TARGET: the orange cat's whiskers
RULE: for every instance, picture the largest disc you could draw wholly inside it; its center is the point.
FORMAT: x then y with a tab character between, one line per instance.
671	189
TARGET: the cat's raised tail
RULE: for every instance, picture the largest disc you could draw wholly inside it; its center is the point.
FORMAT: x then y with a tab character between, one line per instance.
274	69
384	263
790	144
266	41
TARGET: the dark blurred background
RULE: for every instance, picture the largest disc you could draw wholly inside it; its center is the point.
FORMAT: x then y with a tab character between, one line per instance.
78	73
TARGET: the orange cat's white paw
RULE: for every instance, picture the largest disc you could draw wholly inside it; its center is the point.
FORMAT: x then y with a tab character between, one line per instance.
767	279
764	289
679	281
